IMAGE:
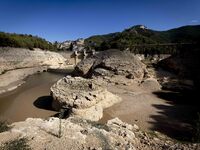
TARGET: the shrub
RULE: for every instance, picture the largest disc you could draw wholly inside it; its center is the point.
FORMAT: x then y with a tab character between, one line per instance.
4	126
17	144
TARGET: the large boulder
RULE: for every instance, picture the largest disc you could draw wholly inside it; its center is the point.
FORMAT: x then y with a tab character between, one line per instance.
83	97
116	61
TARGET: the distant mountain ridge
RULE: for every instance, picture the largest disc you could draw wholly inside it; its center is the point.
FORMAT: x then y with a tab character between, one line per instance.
140	34
128	38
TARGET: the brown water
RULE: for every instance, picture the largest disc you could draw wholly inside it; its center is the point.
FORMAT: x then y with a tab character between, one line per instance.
32	99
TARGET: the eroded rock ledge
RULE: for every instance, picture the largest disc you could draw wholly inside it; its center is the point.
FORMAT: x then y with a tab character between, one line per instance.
76	134
15	58
80	134
85	98
112	62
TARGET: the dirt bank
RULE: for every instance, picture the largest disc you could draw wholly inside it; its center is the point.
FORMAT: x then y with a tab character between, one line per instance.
17	63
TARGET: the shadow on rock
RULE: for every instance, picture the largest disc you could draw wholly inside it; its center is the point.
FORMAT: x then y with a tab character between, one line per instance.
177	118
44	102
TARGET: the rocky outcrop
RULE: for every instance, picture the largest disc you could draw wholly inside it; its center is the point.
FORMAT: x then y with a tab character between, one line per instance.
18	63
15	58
79	134
113	61
83	97
76	45
185	65
76	134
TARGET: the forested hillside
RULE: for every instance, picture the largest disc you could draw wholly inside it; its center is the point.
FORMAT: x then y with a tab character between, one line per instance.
140	35
24	41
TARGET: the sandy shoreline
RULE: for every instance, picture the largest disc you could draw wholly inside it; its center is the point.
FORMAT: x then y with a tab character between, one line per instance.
12	79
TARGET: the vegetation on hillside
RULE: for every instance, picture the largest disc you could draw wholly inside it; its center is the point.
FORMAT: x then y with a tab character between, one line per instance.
24	41
133	39
136	36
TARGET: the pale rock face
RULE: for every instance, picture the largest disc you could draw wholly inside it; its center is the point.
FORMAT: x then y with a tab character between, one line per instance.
64	45
84	97
18	63
76	134
76	45
80	41
143	27
15	58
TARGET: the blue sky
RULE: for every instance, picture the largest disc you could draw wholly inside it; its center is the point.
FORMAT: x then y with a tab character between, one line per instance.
59	20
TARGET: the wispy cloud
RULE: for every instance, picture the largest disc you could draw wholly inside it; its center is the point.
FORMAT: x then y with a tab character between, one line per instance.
194	21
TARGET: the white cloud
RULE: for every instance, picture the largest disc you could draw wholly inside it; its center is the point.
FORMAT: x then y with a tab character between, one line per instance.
194	21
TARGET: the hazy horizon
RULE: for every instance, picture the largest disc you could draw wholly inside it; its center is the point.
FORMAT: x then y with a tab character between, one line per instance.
68	20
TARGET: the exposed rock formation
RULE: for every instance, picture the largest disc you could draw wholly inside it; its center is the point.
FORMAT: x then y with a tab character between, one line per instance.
83	97
184	65
76	45
18	63
76	134
113	61
80	134
15	58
